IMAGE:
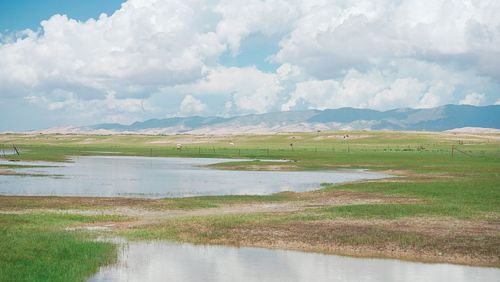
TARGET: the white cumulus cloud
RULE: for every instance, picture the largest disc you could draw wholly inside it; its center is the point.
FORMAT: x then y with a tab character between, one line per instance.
249	90
190	105
474	99
378	54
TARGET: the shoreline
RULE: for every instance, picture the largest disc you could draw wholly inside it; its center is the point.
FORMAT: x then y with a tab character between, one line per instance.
145	214
437	208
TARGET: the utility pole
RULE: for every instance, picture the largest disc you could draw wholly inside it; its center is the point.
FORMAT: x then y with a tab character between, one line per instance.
17	152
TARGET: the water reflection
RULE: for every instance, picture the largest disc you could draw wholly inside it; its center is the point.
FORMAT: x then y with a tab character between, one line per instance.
164	177
163	261
5	152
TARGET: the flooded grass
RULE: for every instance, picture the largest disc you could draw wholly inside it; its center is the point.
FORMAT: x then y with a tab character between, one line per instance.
440	209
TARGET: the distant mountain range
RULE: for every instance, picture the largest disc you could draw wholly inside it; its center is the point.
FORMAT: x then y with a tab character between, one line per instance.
432	119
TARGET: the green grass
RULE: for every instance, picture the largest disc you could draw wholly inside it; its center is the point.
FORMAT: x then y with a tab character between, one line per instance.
317	147
470	188
20	166
217	226
459	198
35	248
464	186
50	256
202	202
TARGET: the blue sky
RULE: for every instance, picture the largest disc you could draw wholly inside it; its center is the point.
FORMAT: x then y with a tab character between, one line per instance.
153	59
19	15
27	14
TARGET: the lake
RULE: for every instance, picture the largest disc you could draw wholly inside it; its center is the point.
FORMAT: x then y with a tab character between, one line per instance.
165	261
155	177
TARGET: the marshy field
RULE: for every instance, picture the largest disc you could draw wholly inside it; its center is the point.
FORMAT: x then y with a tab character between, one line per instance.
412	196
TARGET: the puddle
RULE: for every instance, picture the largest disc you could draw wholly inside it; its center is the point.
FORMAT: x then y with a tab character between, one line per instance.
7	152
165	261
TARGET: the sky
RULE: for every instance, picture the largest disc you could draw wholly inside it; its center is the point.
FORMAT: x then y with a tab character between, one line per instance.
69	62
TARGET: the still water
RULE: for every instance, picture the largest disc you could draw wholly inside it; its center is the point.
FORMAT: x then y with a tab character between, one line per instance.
164	261
162	177
5	152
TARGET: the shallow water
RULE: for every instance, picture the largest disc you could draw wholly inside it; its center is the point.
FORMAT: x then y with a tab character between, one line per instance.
163	177
5	152
164	261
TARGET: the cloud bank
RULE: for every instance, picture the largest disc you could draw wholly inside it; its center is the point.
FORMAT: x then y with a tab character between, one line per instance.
159	58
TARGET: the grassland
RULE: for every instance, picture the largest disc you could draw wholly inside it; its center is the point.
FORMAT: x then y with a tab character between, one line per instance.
35	248
444	206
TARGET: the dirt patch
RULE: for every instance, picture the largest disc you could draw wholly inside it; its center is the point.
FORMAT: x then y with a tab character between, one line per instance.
153	208
149	211
61	203
194	139
342	137
162	142
85	141
422	239
469	136
410	239
7	172
256	167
